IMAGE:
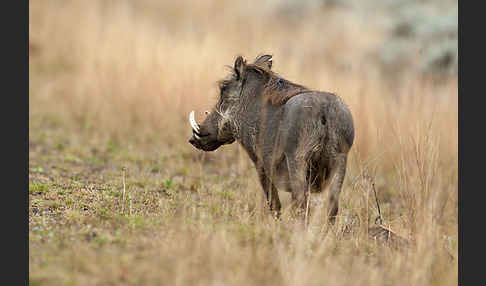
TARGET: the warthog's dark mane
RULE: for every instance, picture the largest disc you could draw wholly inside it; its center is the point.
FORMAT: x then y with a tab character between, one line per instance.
276	90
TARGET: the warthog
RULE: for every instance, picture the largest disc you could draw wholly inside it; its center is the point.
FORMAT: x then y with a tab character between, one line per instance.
298	138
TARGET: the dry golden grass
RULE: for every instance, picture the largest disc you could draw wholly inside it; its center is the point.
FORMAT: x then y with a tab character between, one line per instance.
111	86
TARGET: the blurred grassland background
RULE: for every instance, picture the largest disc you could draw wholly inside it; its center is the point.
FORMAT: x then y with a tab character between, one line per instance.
118	197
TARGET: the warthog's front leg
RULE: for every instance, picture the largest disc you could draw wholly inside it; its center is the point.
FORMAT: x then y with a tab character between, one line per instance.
271	193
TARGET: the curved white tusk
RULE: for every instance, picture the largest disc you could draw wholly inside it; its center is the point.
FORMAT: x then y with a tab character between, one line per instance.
197	136
194	125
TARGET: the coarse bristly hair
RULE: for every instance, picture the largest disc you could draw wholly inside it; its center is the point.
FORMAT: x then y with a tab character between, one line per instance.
276	89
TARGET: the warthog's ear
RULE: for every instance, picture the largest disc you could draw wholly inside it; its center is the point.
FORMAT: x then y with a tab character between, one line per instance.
239	66
264	61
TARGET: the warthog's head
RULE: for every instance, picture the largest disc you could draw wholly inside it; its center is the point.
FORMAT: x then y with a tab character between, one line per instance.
219	126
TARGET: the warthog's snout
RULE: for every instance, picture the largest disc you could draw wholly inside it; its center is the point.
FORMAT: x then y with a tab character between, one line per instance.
192	140
201	138
204	143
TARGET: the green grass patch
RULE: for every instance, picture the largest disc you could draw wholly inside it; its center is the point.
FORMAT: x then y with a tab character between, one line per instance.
36	187
37	169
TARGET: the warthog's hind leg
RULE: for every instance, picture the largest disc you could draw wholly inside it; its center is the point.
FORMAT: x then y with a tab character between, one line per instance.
299	187
334	182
